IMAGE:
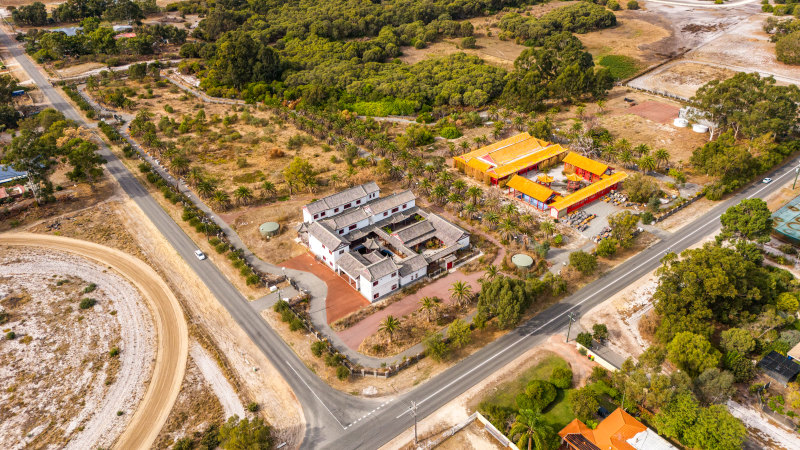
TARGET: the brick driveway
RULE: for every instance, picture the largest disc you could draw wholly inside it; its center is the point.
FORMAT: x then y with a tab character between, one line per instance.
342	298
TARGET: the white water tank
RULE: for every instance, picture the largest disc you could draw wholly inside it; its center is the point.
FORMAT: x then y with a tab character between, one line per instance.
680	122
697	128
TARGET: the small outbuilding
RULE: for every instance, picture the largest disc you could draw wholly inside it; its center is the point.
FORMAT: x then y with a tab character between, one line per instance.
269	229
780	368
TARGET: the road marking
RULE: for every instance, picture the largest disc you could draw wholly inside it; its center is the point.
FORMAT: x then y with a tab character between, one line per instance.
578	304
315	395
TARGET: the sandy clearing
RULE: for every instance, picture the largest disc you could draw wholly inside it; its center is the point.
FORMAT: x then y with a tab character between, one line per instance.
173	336
75	352
216	379
777	437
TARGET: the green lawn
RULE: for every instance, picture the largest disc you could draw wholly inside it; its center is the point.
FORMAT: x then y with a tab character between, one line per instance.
507	392
559	413
621	67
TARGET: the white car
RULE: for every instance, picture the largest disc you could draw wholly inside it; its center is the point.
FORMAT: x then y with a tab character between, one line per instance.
766	180
200	255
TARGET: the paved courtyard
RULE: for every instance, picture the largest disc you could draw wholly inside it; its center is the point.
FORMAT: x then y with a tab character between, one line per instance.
342	298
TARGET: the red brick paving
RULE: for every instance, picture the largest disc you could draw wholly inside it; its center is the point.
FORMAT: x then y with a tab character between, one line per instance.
655	111
342	298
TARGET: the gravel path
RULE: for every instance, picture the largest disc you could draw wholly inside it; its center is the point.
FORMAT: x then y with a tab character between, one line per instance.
216	379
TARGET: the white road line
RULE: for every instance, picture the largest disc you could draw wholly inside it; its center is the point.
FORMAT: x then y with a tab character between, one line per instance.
315	395
575	306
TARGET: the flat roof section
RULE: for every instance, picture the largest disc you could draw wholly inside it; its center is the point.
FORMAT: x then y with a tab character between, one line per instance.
528	161
588	191
786	221
585	163
496	146
530	188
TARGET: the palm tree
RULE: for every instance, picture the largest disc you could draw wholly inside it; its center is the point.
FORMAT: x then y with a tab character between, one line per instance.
429	305
625	157
445	177
547	227
460	186
477	140
491	272
425	186
222	199
461	292
389	326
531	429
492	218
464	145
195	175
518	123
662	156
507	228
457	200
180	164
206	187
474	193
647	163
335	179
470	209
243	195
440	193
642	150
269	189
510	209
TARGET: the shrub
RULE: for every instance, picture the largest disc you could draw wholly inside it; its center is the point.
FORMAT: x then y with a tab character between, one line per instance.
11	335
647	217
468	42
253	407
114	352
558	240
3	316
538	395
280	306
585	339
253	279
333	359
222	247
436	348
599	332
583	262
169	109
87	303
342	372
606	248
620	66
633	4
613	5
449	132
561	377
318	348
144	167
295	324
425	117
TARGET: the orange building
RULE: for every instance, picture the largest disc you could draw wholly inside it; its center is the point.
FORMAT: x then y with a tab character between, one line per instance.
618	431
502	160
589	169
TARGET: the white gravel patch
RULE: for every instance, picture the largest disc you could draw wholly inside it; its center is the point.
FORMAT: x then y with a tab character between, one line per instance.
231	404
777	437
63	367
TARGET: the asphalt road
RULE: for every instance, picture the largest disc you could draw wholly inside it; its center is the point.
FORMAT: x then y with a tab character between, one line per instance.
338	420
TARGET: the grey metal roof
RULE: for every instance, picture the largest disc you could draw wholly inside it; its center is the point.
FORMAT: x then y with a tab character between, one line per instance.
350	264
412	264
414	231
445	230
380	269
346	219
327	237
392	201
779	367
340	198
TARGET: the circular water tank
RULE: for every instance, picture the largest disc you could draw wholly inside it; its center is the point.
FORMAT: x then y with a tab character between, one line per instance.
522	261
697	128
268	229
680	122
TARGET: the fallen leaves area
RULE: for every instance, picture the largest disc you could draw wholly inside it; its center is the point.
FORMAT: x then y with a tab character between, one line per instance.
64	386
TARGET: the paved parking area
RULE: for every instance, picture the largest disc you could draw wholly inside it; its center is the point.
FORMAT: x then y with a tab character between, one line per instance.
342	298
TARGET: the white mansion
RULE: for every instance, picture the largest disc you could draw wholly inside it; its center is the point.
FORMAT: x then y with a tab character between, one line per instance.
379	244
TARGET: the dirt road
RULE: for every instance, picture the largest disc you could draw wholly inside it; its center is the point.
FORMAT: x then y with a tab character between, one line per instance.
172	348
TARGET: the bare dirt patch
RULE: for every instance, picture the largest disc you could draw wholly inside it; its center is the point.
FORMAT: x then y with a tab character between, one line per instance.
62	385
276	249
637	35
686	77
472	437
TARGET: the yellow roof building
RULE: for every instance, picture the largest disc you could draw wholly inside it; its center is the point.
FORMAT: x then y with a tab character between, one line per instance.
582	194
530	188
585	163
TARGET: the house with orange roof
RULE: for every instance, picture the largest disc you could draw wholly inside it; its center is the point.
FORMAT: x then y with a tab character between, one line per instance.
618	431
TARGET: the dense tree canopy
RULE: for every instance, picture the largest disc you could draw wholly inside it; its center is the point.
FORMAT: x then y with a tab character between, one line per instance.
751	219
708	284
580	18
507	298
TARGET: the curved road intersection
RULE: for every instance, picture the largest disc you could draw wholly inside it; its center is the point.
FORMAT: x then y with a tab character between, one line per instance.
338	420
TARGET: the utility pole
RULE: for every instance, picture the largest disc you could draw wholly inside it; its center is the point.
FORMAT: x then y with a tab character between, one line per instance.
572	318
413	411
796	172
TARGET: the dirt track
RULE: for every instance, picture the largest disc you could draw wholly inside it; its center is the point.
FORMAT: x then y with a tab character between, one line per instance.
173	338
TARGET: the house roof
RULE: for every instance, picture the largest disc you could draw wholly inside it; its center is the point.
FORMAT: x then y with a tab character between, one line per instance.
585	163
618	431
413	264
516	151
350	264
527	161
340	198
448	232
414	231
346	219
779	365
328	238
380	269
479	164
386	203
531	188
483	151
588	191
